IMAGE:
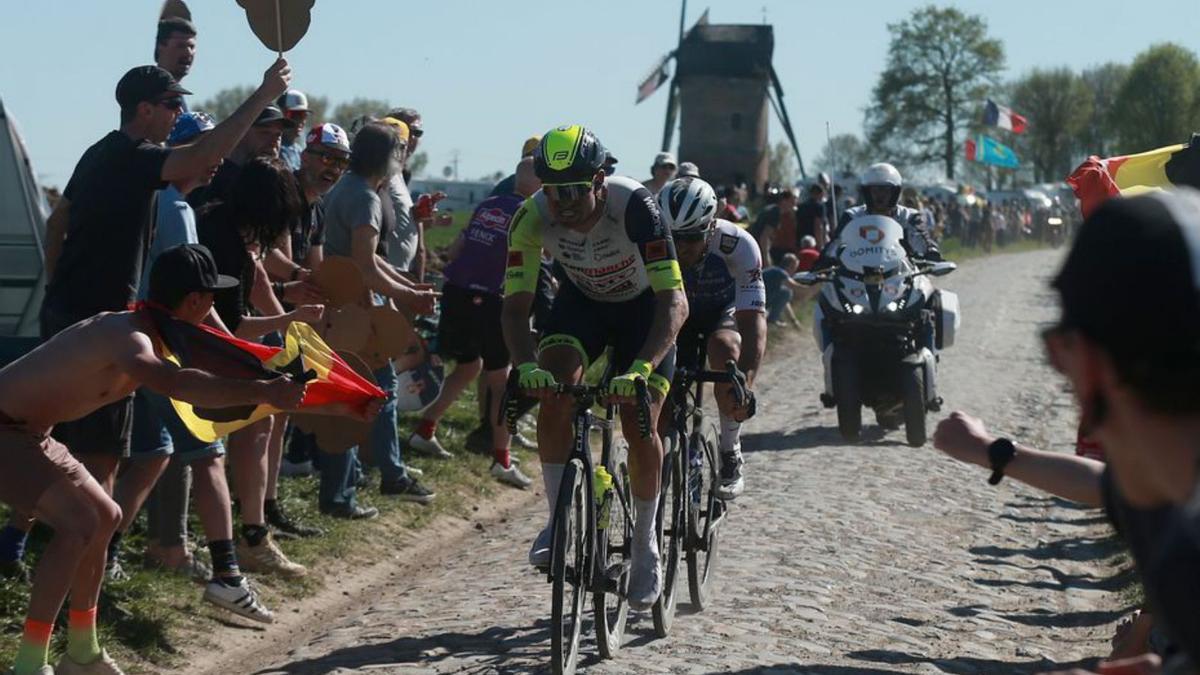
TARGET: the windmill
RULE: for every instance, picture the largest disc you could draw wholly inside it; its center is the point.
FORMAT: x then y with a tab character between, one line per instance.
723	83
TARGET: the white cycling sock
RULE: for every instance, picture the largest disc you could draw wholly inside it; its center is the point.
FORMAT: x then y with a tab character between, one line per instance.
552	479
644	512
731	435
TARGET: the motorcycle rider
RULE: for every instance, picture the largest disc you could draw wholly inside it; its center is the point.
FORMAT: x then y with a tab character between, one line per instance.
880	187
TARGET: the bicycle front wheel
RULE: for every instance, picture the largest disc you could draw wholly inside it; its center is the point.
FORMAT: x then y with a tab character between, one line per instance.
672	530
611	609
705	512
568	564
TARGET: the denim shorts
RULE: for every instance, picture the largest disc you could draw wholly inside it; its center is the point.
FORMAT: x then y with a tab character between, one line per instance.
158	432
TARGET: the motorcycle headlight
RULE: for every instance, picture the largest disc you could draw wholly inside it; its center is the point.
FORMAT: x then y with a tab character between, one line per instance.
892	306
857	309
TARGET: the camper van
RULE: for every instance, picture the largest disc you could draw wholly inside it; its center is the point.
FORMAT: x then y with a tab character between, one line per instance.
23	214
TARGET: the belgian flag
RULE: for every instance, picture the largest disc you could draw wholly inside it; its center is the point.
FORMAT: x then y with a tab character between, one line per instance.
303	356
1098	179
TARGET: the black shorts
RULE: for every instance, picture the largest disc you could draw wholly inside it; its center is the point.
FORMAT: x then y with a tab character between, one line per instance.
590	326
690	350
106	430
470	328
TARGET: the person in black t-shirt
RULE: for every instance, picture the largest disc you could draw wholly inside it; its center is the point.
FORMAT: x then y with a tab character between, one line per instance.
99	233
1134	374
812	216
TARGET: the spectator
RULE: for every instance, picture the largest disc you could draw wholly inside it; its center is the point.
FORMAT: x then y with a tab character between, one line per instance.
662	171
99	233
115	353
406	249
811	216
731	198
175	47
294	105
776	229
471	301
508	186
1140	403
262	205
780	290
688	170
353	219
263	139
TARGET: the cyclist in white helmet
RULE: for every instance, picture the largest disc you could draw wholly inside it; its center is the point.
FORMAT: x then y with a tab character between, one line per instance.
880	187
722	274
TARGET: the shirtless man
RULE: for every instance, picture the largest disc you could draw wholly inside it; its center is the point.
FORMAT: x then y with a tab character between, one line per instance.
88	365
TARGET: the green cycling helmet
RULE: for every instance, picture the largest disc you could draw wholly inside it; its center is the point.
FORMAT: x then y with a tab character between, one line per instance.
568	154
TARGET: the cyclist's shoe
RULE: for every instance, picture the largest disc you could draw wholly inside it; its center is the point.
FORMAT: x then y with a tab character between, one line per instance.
732	482
428	446
512	475
239	599
645	577
539	553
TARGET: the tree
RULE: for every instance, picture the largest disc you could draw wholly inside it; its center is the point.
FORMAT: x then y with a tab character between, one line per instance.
223	103
347	112
941	64
844	153
417	163
1099	136
1059	106
1156	105
782	168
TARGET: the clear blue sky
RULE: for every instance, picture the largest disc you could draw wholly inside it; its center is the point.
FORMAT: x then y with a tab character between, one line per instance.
488	74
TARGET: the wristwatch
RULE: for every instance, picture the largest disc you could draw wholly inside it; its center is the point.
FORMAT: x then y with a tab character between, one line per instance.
1000	453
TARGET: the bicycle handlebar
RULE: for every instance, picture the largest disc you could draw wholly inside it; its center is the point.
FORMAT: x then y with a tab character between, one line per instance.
510	406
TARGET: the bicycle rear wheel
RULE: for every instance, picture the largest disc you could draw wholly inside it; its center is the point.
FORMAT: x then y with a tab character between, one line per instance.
568	564
704	514
672	530
610	607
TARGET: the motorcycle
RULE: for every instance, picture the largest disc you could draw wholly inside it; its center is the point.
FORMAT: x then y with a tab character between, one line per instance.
1056	231
880	325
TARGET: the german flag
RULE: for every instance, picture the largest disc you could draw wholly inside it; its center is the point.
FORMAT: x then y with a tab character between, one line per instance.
1098	179
303	356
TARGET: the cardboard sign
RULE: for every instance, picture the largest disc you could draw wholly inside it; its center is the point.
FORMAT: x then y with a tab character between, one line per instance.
175	9
346	328
340	281
278	23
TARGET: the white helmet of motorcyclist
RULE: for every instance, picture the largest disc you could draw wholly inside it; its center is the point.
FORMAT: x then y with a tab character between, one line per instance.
880	185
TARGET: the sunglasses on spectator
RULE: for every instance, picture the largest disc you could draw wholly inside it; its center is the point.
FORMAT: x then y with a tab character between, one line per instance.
331	160
415	132
171	103
567	192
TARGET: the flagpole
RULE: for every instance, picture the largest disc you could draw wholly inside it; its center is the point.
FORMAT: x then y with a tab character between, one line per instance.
832	180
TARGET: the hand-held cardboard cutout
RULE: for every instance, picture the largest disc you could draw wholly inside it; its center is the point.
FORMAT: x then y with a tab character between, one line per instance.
175	9
278	32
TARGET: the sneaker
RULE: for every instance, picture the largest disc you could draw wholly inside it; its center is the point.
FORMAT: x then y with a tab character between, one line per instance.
191	567
292	469
104	665
512	475
16	570
539	553
266	557
645	577
413	471
732	481
523	441
44	670
349	512
428	446
283	524
239	599
407	489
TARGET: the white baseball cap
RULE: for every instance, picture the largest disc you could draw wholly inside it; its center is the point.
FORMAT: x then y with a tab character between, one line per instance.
663	158
293	100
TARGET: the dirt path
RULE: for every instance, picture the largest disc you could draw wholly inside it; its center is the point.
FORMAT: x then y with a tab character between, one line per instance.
875	558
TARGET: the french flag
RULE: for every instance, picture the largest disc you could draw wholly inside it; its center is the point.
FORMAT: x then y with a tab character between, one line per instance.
999	116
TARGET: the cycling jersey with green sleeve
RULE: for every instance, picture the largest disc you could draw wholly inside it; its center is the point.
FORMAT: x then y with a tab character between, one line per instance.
627	251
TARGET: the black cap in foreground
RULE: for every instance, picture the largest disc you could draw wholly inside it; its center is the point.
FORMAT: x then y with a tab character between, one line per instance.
1131	282
146	83
184	269
272	113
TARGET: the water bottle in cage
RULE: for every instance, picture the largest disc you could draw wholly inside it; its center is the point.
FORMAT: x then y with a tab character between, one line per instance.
695	472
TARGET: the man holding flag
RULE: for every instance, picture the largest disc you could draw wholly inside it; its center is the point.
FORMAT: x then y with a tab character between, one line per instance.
90	365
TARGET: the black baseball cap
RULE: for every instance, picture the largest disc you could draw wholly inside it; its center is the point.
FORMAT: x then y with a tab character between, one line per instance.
184	269
146	83
1131	282
272	113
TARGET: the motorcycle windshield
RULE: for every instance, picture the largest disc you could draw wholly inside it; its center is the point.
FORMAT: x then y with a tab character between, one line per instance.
871	242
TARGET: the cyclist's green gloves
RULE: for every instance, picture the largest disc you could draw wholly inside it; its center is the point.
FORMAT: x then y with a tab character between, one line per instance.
529	376
623	386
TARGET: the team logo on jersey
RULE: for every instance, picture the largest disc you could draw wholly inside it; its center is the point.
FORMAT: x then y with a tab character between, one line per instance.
516	259
493	218
755	275
728	243
656	250
872	234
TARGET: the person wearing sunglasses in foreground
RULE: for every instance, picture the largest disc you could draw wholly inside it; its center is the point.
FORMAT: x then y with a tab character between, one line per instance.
620	287
1133	365
722	273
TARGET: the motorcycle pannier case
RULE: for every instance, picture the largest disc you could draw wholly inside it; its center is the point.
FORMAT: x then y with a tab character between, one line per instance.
948	318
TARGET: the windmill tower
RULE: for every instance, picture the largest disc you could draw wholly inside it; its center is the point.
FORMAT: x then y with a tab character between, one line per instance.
723	85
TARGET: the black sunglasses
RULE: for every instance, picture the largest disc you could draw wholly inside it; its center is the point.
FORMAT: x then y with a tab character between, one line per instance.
416	132
331	160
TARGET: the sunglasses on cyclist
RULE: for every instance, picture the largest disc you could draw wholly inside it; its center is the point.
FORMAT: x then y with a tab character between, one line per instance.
331	160
171	103
568	192
690	237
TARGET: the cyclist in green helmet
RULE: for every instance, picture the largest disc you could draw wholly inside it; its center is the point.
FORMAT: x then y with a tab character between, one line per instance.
620	286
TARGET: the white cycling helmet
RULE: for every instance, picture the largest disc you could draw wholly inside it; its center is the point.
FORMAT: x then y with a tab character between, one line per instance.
881	174
687	205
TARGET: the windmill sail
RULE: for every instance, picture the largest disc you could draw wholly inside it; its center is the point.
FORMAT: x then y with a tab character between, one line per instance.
657	77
